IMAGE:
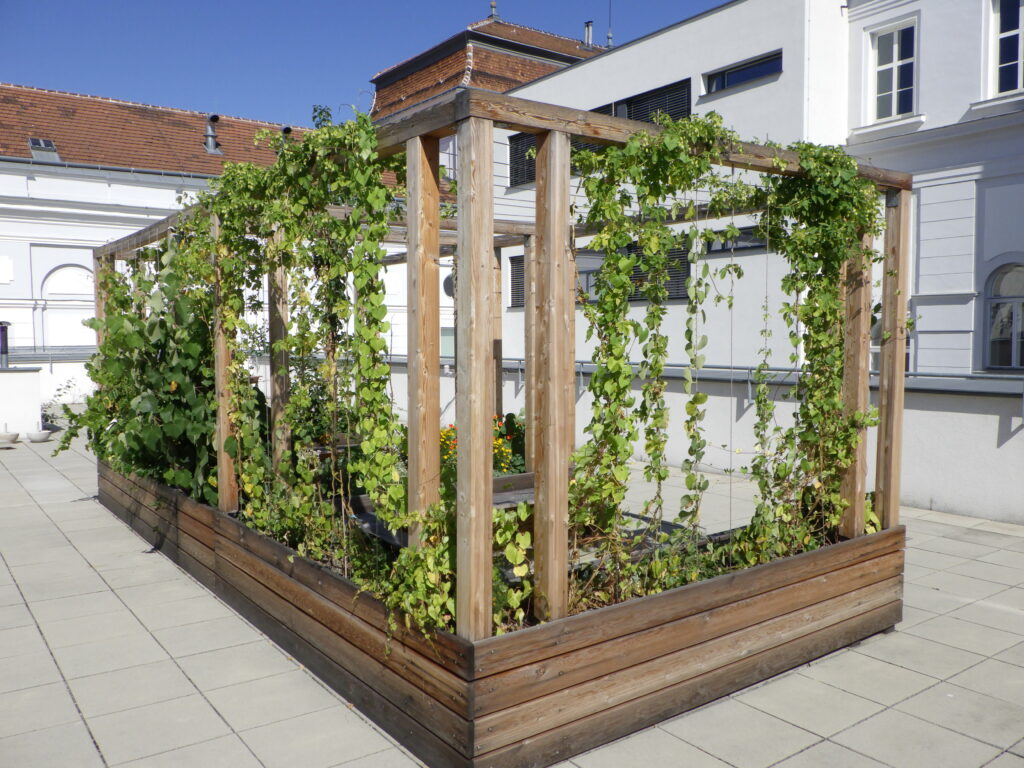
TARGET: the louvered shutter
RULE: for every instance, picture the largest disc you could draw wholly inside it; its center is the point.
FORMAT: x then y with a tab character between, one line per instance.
517	278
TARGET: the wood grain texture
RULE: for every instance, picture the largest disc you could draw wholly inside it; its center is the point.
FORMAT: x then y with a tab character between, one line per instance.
892	365
530	344
424	342
474	397
497	316
227	480
856	370
553	349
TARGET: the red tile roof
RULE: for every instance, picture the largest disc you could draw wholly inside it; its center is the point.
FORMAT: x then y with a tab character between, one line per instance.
100	131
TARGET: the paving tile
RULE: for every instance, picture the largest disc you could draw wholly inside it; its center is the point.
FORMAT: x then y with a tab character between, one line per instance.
932	598
150	730
657	746
829	755
1005	557
1002	611
973	714
809	704
960	521
206	636
396	758
15	615
130	687
316	740
988	571
934	560
977	536
967	635
1006	760
87	629
67	587
1008	529
161	593
259	702
964	549
919	654
739	734
1018	748
64	608
107	655
27	671
62	746
1014	655
32	709
868	677
179	612
931	527
29	552
18	641
994	678
228	666
901	740
914	616
950	583
916	572
152	572
222	752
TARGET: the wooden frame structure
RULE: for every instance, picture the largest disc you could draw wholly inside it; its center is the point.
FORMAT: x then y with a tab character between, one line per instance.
540	695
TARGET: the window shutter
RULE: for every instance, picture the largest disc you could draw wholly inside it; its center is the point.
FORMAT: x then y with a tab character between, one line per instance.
522	168
673	100
517	278
678	273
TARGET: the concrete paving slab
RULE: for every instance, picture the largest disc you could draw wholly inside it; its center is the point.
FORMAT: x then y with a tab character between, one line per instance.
36	708
27	671
918	654
222	752
867	677
657	746
128	688
900	740
237	664
994	678
270	699
830	755
970	713
63	746
966	635
107	655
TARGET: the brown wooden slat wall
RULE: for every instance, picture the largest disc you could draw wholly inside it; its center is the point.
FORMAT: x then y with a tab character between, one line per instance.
541	695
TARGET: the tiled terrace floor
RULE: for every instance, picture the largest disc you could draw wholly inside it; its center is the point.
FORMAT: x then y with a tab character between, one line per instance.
111	655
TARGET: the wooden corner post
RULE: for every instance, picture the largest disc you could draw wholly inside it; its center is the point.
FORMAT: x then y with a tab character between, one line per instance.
424	343
474	360
530	311
892	365
856	367
101	265
553	350
227	481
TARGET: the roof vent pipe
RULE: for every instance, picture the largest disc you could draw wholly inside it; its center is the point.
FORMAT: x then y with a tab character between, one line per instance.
588	33
494	10
211	143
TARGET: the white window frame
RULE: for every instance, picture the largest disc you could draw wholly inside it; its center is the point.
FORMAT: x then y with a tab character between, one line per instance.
1017	319
996	38
873	68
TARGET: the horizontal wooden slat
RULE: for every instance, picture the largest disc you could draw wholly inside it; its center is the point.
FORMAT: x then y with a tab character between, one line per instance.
529	116
410	698
525	683
519	722
158	230
557	744
503	652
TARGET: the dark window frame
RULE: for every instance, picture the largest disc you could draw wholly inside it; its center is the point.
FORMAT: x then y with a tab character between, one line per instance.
745	72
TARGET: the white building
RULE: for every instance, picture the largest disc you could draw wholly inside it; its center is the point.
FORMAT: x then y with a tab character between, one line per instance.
79	171
933	87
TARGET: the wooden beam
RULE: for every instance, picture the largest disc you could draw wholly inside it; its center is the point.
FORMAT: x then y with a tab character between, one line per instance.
158	230
889	454
474	399
530	333
856	367
280	383
424	343
554	402
101	265
448	225
227	480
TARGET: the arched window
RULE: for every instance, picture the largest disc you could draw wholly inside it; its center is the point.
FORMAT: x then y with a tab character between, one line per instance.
1005	321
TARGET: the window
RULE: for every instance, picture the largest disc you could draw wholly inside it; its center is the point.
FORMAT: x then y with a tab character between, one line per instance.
1005	321
1009	46
744	73
894	72
672	100
517	276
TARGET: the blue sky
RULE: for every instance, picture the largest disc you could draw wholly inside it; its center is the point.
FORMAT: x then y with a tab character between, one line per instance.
267	60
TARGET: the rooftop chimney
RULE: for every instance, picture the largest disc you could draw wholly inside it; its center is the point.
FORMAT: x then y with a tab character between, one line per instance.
211	143
588	33
494	10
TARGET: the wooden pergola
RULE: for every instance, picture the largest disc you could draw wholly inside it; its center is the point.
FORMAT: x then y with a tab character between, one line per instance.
549	311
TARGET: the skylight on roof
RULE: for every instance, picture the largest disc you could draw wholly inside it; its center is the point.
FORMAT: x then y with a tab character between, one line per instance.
43	149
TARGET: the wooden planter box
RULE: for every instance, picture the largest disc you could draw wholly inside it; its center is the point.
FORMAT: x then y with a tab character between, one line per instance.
541	695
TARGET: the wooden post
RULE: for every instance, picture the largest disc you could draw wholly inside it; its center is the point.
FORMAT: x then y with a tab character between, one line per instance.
856	367
424	343
888	458
496	318
100	266
474	399
554	399
280	384
530	310
227	481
